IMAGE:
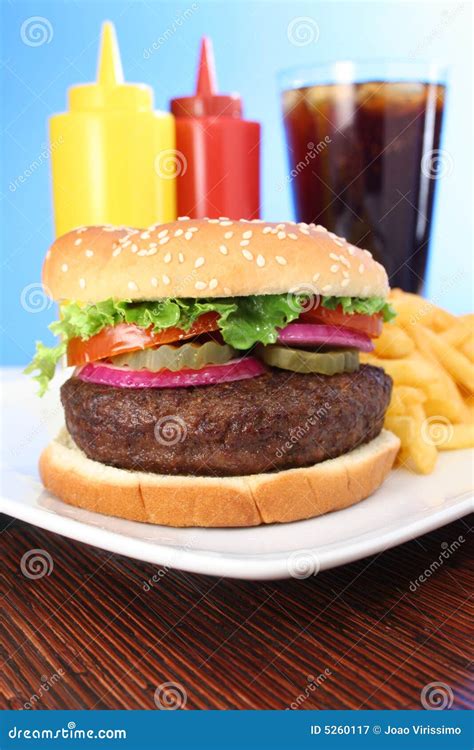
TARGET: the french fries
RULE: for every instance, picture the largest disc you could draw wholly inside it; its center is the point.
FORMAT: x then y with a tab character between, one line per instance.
429	353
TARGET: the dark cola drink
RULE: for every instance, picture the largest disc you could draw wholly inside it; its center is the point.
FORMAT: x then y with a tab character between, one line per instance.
364	160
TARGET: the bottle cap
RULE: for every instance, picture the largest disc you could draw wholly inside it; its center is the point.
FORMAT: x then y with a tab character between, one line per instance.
110	91
206	102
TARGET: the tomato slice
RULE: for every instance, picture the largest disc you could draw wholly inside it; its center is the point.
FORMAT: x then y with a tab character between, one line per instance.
127	337
371	325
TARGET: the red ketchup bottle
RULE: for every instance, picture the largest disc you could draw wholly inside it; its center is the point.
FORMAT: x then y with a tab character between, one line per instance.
220	172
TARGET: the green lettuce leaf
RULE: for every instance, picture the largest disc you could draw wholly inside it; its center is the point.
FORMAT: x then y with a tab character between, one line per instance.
243	321
361	305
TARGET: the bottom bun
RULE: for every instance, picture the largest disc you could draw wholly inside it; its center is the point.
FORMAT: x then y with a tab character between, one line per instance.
280	497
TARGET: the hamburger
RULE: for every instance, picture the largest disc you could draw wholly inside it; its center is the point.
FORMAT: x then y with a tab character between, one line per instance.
217	379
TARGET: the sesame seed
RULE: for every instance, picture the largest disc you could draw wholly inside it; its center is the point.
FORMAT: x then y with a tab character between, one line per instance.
213	221
183	218
166	279
345	274
164	240
339	242
154	281
344	261
132	286
334	268
179	232
292	236
224	218
280	226
64	267
266	230
361	268
320	228
163	233
82	283
351	249
327	288
281	260
334	256
223	249
188	235
200	285
152	251
193	229
244	243
199	262
181	257
142	252
316	276
167	257
117	251
228	235
247	235
368	253
226	223
303	230
345	282
213	283
332	235
77	242
281	235
247	254
146	235
260	261
89	253
127	243
153	244
134	248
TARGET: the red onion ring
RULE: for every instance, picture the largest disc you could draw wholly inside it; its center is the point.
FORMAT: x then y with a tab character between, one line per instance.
309	334
122	377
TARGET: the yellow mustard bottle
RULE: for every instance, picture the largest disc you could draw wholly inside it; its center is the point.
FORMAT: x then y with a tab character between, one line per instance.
111	152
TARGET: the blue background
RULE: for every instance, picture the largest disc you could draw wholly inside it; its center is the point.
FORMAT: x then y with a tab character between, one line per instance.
251	45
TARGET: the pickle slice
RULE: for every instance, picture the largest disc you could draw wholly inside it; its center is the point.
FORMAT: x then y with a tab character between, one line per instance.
300	360
169	357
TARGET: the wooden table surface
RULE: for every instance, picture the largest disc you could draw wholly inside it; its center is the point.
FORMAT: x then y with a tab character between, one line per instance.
89	636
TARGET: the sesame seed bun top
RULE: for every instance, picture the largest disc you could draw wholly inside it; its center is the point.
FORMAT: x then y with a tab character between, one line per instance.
208	258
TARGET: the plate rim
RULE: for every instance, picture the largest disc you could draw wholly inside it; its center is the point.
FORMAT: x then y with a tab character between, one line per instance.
258	568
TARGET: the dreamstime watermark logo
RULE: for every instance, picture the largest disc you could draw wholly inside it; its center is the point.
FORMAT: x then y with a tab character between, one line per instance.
298	433
436	696
303	298
35	298
314	149
36	31
42	158
312	684
155	578
36	563
170	430
437	430
302	564
302	31
170	163
45	685
448	549
170	696
429	306
170	31
436	164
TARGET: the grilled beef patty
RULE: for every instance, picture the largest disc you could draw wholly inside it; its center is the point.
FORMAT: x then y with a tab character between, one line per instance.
276	421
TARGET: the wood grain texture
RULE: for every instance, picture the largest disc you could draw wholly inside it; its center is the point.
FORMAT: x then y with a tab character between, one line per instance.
232	644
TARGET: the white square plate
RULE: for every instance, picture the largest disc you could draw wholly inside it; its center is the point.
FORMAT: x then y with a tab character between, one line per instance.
406	506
